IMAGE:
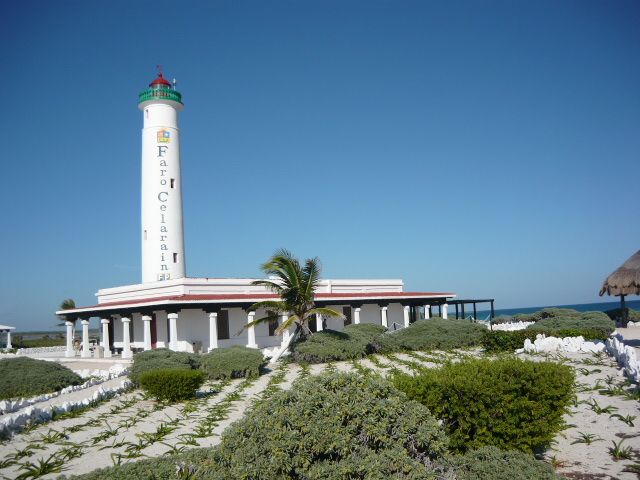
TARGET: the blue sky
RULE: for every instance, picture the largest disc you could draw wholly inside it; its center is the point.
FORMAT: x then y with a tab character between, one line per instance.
487	148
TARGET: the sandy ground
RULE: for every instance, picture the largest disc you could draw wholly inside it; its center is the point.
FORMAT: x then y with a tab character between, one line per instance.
130	427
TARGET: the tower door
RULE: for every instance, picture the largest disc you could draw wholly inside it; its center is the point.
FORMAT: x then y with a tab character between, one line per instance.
111	333
154	332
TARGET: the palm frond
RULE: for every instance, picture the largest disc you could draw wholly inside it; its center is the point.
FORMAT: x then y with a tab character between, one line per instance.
258	321
326	312
274	305
286	324
272	286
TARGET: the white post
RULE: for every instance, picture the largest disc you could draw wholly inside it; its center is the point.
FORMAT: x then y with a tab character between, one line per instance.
126	342
444	307
286	334
173	331
426	311
105	337
146	320
86	349
251	331
69	352
9	339
213	330
318	322
383	314
356	315
406	310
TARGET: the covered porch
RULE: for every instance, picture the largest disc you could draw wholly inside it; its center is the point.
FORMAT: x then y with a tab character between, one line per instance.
202	323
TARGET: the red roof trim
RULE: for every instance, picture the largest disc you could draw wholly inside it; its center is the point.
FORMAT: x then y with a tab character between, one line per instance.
258	296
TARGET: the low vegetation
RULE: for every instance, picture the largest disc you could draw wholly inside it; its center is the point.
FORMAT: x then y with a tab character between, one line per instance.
172	384
18	341
555	322
232	362
507	403
357	341
491	463
616	314
161	359
26	377
434	334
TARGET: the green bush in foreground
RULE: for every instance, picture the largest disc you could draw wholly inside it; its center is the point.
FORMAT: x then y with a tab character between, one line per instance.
172	384
507	403
161	359
333	425
434	333
26	377
355	341
233	362
490	463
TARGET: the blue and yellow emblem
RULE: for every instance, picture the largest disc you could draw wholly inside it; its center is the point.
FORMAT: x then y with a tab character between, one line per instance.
164	136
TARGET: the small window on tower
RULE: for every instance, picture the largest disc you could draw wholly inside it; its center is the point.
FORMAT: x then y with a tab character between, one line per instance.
173	182
146	112
145	234
175	258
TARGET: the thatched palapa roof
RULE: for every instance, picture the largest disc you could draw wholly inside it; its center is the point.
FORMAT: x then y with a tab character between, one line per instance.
625	280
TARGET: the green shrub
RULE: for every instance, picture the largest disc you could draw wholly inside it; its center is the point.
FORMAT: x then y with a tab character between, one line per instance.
594	321
161	359
546	313
233	362
434	333
26	377
333	425
490	463
355	341
502	341
172	384
508	403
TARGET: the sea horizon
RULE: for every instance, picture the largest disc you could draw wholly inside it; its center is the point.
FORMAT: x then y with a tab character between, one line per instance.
581	307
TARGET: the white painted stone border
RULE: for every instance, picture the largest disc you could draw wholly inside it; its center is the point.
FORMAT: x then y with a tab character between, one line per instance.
509	327
34	414
543	343
625	355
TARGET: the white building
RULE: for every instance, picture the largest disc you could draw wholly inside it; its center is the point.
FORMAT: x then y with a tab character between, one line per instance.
171	310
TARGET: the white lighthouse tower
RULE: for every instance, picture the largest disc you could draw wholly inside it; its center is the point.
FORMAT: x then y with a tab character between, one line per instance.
162	230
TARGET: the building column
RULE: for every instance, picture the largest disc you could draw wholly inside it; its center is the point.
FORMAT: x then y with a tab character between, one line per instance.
285	334
318	322
146	321
383	315
406	310
356	315
443	308
213	330
126	342
9	339
86	349
69	352
427	311
251	331
105	337
173	331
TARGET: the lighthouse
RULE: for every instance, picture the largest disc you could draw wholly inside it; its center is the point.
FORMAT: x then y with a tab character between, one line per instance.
162	228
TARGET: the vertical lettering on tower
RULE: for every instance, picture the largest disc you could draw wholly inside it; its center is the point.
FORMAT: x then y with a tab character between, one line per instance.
163	141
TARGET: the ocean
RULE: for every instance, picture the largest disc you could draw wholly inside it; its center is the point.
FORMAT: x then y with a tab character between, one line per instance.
581	307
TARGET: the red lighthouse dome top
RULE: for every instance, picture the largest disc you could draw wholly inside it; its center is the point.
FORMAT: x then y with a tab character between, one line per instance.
160	80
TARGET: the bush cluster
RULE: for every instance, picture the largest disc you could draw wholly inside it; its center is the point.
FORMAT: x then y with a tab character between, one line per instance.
507	403
172	384
434	333
333	425
491	463
596	321
232	362
18	341
355	341
161	359
26	377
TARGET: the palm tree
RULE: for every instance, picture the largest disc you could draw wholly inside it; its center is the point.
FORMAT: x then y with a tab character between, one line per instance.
295	285
67	304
